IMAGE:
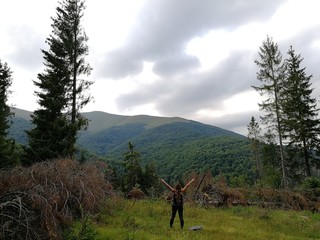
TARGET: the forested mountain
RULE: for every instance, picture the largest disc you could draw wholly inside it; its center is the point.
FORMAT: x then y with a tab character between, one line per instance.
19	124
176	145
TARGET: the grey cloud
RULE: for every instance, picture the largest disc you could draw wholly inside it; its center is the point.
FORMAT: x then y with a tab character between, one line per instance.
236	122
178	63
208	90
303	44
116	64
28	44
165	26
190	92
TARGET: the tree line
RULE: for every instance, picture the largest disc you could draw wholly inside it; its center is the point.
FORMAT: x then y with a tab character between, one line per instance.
285	151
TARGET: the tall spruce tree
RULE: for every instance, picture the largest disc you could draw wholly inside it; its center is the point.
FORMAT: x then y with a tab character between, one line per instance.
62	87
270	160
132	168
272	75
150	179
254	134
7	145
300	111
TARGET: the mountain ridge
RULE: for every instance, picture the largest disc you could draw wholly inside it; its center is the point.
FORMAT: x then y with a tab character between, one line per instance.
99	120
176	145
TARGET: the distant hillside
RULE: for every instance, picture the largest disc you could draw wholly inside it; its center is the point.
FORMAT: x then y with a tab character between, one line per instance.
177	145
115	139
101	120
178	148
106	124
23	114
20	123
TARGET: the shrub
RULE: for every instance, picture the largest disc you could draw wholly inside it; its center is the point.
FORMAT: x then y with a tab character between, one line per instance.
311	183
136	194
85	230
263	197
39	201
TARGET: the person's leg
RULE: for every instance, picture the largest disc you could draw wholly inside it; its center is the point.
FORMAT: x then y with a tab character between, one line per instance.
173	215
180	211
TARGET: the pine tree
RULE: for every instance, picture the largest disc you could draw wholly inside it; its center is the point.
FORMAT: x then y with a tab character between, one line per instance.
72	34
62	90
270	160
300	109
150	179
7	146
132	168
254	132
272	74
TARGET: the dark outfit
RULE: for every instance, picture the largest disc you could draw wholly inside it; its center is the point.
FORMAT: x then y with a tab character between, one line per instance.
177	205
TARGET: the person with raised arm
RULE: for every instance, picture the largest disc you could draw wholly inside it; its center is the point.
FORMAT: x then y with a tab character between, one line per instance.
177	203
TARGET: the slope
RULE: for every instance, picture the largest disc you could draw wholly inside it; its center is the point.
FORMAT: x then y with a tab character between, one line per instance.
176	145
179	148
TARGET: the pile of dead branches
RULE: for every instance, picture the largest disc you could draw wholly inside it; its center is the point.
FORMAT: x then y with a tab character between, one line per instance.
222	196
39	201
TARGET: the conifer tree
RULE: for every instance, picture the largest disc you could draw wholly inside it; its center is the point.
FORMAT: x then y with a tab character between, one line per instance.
254	134
270	160
271	75
62	89
132	168
150	179
7	145
300	111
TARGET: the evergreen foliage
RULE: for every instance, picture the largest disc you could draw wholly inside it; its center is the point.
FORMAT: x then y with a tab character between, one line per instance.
135	177
300	113
132	168
61	93
254	134
7	146
270	161
272	75
150	180
292	112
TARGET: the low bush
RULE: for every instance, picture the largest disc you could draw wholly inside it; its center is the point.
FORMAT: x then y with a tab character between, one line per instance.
311	183
272	198
39	201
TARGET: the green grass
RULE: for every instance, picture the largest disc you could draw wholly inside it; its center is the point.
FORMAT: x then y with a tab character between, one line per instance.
148	219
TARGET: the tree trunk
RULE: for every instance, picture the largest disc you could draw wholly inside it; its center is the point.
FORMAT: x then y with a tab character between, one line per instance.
283	165
306	158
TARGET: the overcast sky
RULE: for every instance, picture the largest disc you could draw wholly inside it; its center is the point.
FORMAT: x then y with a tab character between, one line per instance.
187	58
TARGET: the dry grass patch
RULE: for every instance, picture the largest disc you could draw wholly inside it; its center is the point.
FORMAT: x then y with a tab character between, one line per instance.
39	201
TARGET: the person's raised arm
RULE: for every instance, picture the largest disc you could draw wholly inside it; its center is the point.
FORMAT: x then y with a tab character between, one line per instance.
167	185
187	185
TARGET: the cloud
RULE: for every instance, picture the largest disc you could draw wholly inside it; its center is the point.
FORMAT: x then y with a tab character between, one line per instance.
27	47
306	43
170	57
165	27
187	93
169	65
116	64
236	122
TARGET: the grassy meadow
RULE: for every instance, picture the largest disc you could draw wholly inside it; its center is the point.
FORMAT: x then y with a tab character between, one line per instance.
149	219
